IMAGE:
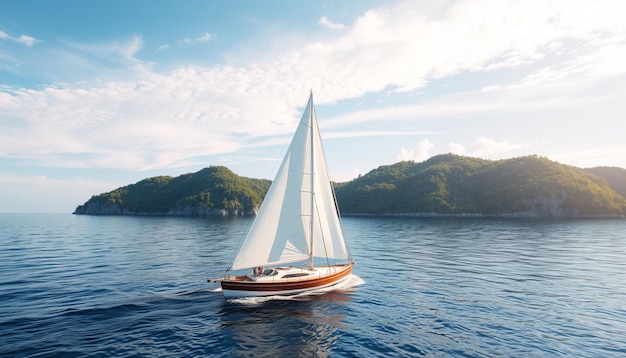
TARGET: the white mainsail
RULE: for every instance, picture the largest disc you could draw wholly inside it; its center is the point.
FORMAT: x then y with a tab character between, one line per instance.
298	219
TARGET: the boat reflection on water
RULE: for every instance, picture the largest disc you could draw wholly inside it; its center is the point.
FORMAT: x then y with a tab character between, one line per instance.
302	325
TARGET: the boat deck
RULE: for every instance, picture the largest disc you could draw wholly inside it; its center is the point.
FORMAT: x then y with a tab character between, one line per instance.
285	280
289	274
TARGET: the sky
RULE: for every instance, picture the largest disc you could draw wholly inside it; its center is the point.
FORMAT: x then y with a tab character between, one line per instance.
95	95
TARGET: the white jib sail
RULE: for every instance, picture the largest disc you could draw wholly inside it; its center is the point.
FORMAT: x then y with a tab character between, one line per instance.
281	232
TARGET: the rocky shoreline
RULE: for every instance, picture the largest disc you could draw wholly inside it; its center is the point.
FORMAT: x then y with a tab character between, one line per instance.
189	210
204	211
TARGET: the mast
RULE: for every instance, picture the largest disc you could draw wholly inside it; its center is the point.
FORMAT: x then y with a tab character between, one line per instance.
312	197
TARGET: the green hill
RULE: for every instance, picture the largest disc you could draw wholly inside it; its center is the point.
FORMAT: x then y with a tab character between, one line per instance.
442	185
452	184
211	191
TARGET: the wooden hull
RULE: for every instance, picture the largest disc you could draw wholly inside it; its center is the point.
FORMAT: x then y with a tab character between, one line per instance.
244	286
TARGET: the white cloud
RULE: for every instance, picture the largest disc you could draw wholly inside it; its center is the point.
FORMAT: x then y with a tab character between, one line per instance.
324	21
484	147
167	120
160	121
608	155
204	38
456	148
360	134
405	46
417	154
26	40
163	48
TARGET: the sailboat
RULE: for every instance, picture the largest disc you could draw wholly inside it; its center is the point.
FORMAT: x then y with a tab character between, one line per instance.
295	243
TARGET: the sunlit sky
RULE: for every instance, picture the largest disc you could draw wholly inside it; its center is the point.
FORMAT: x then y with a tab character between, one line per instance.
99	94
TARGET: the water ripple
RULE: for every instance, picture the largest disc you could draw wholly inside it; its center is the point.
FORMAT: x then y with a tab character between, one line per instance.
469	287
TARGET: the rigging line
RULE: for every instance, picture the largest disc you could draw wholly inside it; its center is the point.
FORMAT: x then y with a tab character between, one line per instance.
312	182
339	217
322	235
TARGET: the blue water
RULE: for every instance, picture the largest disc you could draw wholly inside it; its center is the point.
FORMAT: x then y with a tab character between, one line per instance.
464	287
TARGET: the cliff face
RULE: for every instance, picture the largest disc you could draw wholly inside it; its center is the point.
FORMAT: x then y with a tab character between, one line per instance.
203	210
547	207
95	208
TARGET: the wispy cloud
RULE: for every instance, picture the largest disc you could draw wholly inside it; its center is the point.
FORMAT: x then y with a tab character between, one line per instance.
607	155
123	49
486	147
157	120
361	134
324	21
26	40
206	37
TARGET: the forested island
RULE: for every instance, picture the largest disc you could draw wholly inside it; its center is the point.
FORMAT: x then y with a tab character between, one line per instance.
448	184
211	191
